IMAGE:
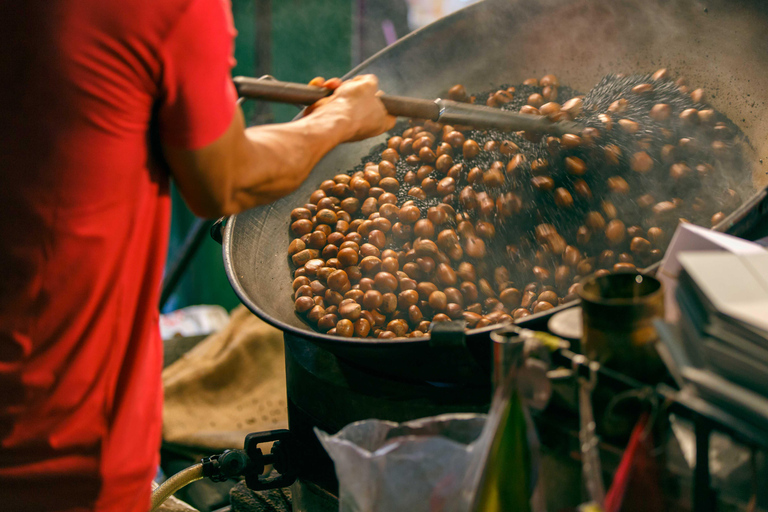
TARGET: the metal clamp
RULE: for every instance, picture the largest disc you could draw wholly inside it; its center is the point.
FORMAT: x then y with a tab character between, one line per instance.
281	458
251	462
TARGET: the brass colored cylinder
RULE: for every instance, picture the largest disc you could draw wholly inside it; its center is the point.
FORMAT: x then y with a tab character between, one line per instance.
618	314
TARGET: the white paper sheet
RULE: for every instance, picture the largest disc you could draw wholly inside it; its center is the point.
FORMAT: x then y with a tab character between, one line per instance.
689	237
735	284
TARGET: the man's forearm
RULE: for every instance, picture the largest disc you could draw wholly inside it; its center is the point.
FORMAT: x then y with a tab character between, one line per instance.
250	167
254	166
281	157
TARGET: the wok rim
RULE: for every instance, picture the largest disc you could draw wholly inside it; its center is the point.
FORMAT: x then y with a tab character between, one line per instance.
340	340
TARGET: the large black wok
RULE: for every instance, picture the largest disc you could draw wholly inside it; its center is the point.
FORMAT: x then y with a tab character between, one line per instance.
720	45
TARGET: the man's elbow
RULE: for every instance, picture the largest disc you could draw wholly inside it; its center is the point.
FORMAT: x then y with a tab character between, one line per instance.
206	211
224	198
213	206
227	205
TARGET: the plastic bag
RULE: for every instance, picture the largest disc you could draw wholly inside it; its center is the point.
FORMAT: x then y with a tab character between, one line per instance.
452	462
420	465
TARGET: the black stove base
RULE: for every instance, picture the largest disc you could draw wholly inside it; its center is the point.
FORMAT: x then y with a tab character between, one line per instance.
329	393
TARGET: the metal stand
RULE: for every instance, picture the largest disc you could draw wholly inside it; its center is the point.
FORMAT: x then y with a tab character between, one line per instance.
703	494
705	417
195	237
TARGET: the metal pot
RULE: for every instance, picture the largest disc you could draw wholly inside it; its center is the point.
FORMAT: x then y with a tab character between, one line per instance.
720	47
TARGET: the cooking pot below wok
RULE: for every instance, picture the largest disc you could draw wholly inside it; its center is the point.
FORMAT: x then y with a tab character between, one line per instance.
720	48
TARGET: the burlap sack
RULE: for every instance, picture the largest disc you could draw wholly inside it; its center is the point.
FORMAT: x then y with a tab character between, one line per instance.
229	385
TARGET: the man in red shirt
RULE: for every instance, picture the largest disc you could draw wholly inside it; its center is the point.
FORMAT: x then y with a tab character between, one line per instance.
86	89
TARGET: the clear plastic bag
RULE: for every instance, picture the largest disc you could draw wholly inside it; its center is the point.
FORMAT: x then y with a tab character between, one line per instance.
420	465
452	462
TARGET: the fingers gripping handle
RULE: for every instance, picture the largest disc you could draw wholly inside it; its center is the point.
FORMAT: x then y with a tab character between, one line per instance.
280	92
299	94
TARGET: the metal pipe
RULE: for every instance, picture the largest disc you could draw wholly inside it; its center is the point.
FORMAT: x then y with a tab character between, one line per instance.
479	116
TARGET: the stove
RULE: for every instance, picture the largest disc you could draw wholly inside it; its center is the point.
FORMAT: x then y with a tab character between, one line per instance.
327	392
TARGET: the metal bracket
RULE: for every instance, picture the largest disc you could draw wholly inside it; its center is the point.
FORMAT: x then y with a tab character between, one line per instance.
448	334
216	229
281	458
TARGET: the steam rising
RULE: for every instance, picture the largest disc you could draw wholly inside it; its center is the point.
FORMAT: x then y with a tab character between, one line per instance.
718	46
712	185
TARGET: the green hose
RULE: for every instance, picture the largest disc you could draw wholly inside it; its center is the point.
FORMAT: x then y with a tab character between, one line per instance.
174	483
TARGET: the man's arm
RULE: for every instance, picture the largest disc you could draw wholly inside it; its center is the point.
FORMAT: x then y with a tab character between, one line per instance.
248	167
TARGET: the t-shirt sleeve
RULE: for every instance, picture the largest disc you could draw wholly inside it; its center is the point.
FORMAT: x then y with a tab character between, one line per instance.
198	96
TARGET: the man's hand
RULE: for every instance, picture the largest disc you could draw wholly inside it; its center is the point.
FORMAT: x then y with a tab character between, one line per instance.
356	102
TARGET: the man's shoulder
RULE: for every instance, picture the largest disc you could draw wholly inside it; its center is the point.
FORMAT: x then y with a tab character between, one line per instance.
151	17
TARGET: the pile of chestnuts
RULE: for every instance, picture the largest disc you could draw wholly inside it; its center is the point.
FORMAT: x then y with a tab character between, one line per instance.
446	222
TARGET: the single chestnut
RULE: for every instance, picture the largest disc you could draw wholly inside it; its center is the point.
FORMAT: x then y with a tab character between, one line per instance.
618	185
350	310
445	275
372	299
575	165
409	214
304	303
385	282
362	327
424	228
474	247
563	198
543	183
643	89
446	186
535	100
629	126
615	232
470	149
388	303
438	301
510	297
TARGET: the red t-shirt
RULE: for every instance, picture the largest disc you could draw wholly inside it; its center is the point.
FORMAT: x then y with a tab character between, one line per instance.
86	86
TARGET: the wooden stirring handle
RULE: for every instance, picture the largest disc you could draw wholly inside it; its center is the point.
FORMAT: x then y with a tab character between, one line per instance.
299	94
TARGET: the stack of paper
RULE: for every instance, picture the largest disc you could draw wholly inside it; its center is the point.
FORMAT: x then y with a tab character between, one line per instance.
723	303
689	237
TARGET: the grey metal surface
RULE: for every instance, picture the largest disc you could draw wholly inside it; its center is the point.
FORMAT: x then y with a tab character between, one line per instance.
720	45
